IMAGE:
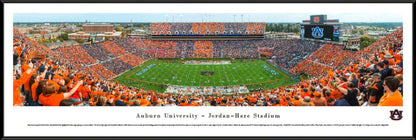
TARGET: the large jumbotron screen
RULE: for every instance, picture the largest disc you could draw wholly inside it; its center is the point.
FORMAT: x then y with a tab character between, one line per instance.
326	30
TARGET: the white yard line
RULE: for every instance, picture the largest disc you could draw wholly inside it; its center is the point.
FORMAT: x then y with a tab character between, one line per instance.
213	78
223	68
220	76
178	68
253	71
233	77
187	75
239	74
194	76
199	83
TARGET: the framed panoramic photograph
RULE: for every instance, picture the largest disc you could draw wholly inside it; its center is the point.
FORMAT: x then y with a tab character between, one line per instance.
191	70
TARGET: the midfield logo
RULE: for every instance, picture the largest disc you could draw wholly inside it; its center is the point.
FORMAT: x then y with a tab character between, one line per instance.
207	73
396	115
317	32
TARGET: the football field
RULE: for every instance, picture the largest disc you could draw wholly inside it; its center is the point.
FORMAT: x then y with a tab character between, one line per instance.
153	75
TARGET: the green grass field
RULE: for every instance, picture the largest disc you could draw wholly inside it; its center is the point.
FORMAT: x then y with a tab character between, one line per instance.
253	74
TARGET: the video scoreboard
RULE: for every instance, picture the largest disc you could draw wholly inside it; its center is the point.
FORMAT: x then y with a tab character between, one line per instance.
320	28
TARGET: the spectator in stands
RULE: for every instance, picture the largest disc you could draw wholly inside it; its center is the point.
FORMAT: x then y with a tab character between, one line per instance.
306	101
136	102
330	101
110	102
319	100
354	80
102	101
341	102
120	102
392	97
66	102
350	94
400	78
384	70
29	97
297	101
17	82
376	91
50	98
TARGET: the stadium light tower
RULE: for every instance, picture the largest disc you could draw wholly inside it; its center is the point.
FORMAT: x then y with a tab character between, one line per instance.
242	18
180	17
234	17
166	18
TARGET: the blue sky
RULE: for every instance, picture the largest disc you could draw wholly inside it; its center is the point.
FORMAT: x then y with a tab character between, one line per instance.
199	17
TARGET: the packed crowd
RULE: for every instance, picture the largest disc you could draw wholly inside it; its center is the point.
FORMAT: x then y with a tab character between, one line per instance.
265	51
208	28
373	78
99	71
113	48
327	58
129	44
131	59
117	66
332	55
289	53
203	49
97	52
184	49
24	46
76	55
198	49
108	56
237	48
310	67
164	48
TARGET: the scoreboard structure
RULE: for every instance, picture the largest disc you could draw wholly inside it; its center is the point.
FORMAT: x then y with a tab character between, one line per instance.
320	28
